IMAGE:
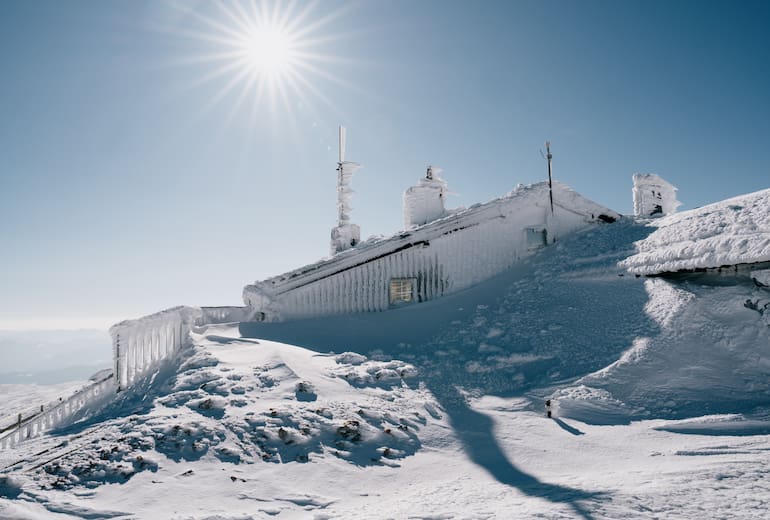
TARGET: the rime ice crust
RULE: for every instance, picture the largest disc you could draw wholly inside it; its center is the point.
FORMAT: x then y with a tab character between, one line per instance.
653	196
727	233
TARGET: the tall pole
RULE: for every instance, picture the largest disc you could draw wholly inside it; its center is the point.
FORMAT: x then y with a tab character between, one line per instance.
550	181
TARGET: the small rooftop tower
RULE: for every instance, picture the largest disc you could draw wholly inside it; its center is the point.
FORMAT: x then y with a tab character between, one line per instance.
345	235
653	196
424	202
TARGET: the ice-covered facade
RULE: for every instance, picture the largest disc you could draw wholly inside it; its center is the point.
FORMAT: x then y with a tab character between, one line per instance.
450	252
653	196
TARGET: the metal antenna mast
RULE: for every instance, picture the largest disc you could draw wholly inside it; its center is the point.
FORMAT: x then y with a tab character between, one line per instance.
342	181
550	181
345	234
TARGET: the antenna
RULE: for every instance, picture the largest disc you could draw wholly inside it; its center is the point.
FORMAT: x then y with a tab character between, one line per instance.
345	234
550	182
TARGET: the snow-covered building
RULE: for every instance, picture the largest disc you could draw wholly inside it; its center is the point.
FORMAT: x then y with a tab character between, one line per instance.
730	236
440	252
653	196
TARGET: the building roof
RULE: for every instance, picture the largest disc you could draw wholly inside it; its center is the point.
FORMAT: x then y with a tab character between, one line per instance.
535	194
731	232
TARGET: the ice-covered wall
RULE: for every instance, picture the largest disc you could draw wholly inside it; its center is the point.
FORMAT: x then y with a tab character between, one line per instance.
424	202
139	345
57	414
653	196
442	257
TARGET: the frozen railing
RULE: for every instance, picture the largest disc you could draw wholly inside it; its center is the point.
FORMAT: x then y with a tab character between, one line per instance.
139	345
56	414
211	315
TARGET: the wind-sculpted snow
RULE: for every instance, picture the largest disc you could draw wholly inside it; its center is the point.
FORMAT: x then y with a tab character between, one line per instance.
730	232
711	355
243	402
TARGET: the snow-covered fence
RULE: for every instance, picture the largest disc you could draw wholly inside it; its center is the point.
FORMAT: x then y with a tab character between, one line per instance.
56	414
210	315
139	345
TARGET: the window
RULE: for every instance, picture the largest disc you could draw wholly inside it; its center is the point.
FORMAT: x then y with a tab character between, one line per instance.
536	238
401	290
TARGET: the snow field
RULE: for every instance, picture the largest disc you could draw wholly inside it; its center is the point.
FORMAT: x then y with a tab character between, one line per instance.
436	411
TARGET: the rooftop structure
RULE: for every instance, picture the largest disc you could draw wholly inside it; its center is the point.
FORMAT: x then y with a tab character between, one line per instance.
653	196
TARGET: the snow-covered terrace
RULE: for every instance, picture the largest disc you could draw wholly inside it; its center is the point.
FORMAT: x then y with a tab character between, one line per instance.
730	233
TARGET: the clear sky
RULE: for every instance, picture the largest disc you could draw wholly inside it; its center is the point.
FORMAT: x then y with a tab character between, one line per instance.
154	153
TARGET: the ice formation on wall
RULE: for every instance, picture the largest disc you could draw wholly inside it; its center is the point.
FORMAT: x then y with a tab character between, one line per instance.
653	196
138	346
425	202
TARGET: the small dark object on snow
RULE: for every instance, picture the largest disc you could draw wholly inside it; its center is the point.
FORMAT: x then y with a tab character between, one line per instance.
548	408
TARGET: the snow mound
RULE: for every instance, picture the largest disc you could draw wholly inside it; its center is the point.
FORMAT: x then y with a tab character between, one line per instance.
709	355
730	232
242	402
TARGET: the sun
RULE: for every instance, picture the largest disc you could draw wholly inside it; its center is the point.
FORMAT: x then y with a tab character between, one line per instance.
268	50
264	54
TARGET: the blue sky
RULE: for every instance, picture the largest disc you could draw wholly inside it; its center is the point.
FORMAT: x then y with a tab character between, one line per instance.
133	179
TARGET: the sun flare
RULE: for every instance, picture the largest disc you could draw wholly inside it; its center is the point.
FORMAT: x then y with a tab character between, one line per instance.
266	54
268	50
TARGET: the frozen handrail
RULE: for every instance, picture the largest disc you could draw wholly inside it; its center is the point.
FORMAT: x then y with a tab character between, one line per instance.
57	415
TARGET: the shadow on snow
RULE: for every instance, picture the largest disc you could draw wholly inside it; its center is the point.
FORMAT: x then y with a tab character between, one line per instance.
550	319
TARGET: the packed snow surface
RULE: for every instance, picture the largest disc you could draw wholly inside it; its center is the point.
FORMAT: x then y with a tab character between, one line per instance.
730	232
661	397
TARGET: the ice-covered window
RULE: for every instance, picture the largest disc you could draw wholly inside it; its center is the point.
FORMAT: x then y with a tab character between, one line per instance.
401	290
536	238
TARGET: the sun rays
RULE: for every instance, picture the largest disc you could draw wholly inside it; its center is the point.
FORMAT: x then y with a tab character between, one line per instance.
263	56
